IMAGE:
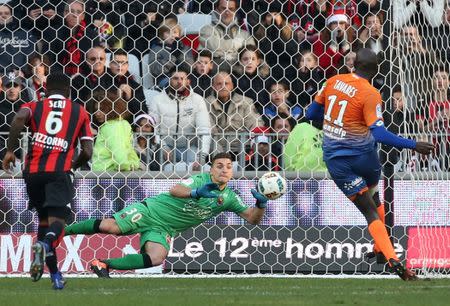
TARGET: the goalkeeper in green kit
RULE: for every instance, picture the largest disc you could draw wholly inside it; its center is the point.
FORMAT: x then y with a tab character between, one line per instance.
160	218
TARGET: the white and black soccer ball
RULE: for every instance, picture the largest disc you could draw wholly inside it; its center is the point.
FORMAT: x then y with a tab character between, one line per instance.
272	185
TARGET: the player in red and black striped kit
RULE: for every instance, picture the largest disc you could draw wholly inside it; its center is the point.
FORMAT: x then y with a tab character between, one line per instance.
56	124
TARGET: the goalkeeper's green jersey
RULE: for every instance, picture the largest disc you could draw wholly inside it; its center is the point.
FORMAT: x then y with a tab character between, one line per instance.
179	214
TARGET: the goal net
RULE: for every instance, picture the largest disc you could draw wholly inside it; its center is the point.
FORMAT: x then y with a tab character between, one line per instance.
255	68
420	93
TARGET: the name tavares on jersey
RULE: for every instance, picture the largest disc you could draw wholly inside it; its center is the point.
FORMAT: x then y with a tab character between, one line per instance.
345	88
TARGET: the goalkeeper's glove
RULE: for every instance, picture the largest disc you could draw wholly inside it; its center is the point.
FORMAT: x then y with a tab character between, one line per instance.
261	200
205	191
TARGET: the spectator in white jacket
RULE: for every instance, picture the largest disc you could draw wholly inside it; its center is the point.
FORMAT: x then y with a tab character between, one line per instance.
224	37
183	120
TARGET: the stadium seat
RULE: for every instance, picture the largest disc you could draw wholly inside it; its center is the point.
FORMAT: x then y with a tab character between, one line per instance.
133	66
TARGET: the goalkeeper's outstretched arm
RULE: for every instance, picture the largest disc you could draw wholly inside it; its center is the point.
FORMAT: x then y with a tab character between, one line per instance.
254	215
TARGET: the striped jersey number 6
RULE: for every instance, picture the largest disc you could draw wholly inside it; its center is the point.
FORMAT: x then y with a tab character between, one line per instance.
342	104
53	123
136	216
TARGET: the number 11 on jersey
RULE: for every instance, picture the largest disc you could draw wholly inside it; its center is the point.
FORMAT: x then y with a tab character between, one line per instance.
343	105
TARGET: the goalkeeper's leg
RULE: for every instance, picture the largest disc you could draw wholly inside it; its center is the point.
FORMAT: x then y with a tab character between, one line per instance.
94	226
154	255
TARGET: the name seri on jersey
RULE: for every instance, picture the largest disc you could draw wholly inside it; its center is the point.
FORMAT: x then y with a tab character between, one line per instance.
57	103
49	141
345	88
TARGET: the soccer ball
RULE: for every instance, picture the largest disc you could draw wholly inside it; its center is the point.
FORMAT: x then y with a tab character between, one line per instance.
272	185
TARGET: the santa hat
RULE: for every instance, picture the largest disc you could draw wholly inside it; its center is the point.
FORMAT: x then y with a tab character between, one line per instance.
337	16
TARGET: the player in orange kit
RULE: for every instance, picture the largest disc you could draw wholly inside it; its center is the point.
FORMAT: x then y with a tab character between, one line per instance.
351	110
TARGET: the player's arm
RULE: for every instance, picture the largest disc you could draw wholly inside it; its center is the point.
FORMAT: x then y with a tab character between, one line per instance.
85	153
254	215
315	112
17	125
86	142
382	135
205	191
373	117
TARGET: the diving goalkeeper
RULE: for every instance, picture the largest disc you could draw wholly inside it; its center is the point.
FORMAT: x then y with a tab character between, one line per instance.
158	219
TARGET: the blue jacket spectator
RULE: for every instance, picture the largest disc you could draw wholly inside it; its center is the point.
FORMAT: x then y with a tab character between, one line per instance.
279	104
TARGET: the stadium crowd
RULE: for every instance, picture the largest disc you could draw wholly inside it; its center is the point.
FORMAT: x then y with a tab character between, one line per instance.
168	83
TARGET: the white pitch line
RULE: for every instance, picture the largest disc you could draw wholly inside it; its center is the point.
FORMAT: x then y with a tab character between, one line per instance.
172	275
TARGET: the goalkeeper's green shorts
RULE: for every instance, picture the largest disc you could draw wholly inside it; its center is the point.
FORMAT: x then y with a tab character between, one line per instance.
134	219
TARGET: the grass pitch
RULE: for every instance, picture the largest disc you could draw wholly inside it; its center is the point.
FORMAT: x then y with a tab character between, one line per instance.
225	291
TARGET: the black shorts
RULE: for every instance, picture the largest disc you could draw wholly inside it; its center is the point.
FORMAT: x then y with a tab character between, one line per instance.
51	190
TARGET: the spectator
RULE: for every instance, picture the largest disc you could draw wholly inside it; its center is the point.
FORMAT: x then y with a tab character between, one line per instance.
100	77
307	78
113	148
147	143
405	13
183	120
440	38
251	75
282	126
371	34
260	158
224	37
36	15
95	74
142	19
369	7
334	42
399	120
109	10
67	45
275	40
308	18
232	115
349	62
413	66
279	103
439	108
13	86
200	6
303	149
37	71
131	91
15	43
201	77
109	36
439	116
167	52
253	10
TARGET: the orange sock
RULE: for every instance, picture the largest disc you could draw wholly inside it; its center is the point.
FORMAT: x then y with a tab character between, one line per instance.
379	233
382	215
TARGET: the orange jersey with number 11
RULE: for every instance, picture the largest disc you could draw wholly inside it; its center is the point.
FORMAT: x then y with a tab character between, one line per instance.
351	106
